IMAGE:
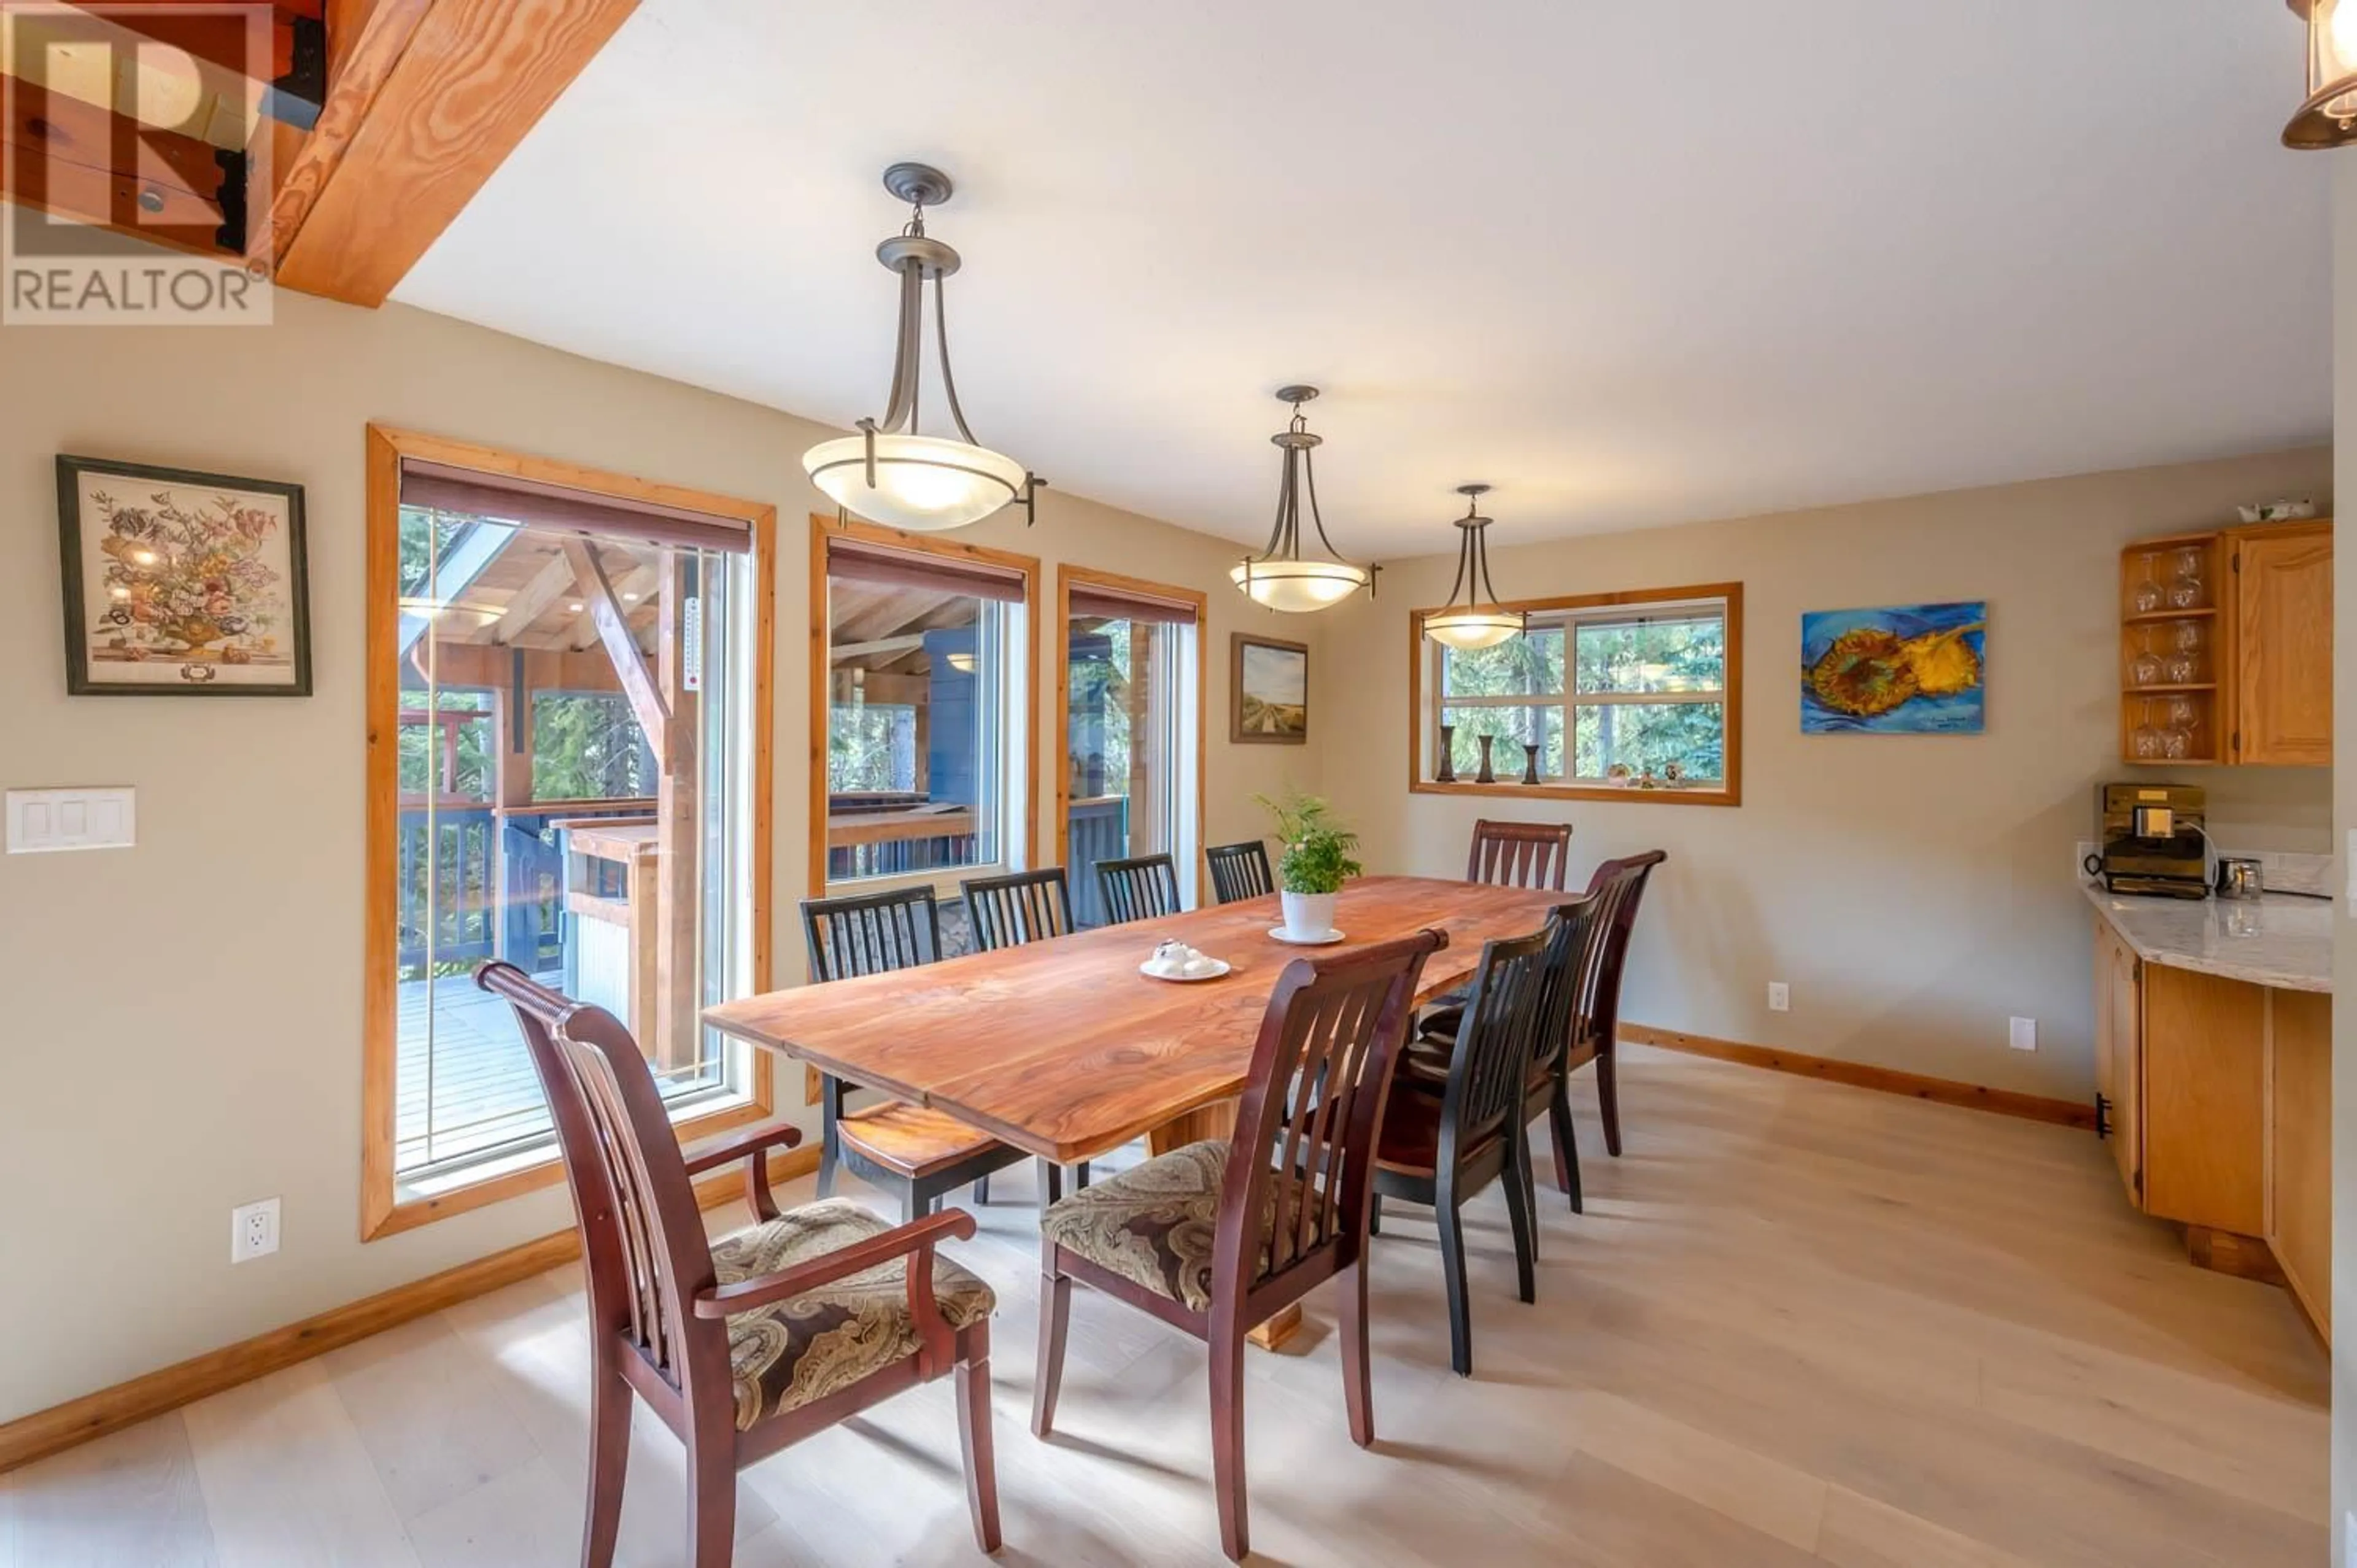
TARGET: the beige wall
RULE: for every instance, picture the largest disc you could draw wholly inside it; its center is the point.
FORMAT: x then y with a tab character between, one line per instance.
179	1025
1914	891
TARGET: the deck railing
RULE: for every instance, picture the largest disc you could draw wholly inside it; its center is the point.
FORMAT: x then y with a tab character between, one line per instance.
1099	830
477	883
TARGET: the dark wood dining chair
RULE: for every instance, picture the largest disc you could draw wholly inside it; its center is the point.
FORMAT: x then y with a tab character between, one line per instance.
1239	871
1519	854
1024	906
747	1345
916	1153
1006	912
1596	1025
1576	932
1442	1151
1144	887
1215	1238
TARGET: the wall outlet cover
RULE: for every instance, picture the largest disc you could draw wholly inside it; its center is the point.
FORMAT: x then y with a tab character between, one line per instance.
2021	1034
1780	996
253	1231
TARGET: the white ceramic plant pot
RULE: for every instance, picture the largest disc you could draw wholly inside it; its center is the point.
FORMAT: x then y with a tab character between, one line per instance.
1308	915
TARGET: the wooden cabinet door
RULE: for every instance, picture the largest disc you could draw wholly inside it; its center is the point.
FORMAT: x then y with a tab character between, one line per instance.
2283	639
2123	1019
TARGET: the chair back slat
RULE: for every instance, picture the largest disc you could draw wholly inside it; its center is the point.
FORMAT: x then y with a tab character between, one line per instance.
1239	871
1519	854
1496	1040
1574	938
1621	883
1302	1162
1027	907
1143	888
643	1235
868	933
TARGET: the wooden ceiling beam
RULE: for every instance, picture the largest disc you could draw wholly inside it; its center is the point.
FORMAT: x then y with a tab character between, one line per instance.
472	78
547	585
81	161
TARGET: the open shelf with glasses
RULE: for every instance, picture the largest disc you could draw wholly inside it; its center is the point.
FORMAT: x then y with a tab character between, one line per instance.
2174	657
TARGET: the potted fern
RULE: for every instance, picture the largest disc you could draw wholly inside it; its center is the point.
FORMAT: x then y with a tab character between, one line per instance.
1316	863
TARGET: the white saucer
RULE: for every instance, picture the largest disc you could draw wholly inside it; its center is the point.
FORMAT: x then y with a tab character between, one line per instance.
1148	969
1328	940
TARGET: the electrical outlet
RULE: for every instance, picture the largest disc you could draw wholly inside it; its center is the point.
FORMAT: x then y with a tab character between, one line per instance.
253	1231
2021	1034
2080	854
1780	996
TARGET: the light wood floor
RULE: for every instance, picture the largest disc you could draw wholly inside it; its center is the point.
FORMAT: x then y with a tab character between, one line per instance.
1800	1323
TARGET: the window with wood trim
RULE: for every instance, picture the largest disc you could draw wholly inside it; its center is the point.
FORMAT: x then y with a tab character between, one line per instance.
1610	696
1133	713
926	684
569	680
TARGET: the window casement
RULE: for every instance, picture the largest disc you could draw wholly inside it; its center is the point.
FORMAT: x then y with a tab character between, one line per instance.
1626	696
567	693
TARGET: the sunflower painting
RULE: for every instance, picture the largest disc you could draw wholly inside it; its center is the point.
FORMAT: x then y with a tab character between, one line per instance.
1909	670
181	583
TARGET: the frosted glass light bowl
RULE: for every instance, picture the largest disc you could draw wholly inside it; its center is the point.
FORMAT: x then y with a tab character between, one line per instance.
923	483
1298	585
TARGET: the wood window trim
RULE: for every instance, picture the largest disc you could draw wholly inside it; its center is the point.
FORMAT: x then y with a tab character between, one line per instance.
1732	795
1068	576
382	1210
824	528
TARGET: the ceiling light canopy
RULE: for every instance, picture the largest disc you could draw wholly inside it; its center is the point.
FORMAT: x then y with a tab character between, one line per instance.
889	473
1478	622
1279	577
2329	118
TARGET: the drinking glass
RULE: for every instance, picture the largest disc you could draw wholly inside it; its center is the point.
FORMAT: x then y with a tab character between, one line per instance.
2147	743
2149	595
2144	669
2177	740
2185	591
2183	666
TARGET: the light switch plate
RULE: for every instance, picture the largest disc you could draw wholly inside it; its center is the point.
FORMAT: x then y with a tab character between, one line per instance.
43	820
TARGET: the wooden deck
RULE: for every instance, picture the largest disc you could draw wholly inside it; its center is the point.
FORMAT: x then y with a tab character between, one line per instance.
483	1088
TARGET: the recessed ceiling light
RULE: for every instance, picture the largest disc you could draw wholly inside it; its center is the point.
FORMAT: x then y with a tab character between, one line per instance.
575	606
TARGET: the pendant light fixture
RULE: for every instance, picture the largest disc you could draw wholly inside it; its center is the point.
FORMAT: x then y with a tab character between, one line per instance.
2329	118
1476	623
889	473
1278	577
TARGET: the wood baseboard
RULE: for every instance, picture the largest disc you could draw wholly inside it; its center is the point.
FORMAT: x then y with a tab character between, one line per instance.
1861	1074
52	1431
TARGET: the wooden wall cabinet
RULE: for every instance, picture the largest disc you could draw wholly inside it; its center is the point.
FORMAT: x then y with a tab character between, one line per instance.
2226	648
2216	1101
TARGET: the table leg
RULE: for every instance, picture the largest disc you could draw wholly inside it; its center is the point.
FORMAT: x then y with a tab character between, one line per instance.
1220	1122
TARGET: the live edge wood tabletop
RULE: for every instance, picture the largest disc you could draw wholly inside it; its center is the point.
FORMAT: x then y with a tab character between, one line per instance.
1064	1050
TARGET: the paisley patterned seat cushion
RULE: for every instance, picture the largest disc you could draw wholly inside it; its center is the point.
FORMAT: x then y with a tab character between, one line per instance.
802	1348
1152	1224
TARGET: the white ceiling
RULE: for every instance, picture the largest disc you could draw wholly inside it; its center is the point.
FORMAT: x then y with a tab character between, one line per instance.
1632	261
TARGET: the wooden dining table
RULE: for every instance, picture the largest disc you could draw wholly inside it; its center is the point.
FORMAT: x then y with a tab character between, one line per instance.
1064	1050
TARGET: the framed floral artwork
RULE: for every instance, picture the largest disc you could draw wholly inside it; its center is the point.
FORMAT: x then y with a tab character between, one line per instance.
179	583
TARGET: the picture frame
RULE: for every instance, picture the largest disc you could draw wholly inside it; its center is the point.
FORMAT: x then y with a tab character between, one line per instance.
1268	691
1913	669
181	583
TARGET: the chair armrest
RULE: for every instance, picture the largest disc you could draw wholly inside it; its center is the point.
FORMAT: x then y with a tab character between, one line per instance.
914	1240
753	1146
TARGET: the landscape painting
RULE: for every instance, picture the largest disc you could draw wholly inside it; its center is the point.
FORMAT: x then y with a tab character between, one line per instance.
182	584
1270	699
1905	670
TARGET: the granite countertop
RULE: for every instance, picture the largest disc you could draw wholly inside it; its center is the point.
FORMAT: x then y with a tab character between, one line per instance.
2280	939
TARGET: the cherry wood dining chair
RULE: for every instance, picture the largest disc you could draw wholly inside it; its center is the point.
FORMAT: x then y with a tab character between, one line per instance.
1597	1023
1024	906
1442	1151
1239	871
744	1346
1519	854
1145	887
916	1153
1215	1238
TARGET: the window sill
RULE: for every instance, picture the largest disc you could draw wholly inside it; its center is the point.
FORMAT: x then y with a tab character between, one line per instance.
1504	789
408	1208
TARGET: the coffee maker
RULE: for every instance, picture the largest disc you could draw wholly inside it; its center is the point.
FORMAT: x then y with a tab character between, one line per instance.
2152	839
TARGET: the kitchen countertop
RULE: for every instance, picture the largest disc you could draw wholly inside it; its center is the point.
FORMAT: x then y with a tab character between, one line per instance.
2280	939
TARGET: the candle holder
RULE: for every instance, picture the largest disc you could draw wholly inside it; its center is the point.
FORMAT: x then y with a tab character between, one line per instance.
1485	776
1529	762
1447	772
